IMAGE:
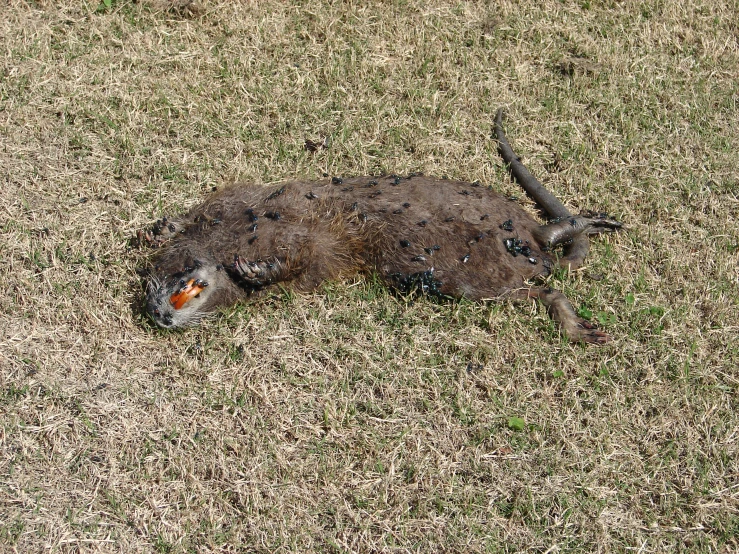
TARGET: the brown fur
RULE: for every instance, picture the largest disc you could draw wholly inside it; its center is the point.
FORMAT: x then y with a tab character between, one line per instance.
327	230
436	236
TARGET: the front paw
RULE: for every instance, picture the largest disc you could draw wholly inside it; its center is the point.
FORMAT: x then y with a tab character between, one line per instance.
147	238
161	232
255	273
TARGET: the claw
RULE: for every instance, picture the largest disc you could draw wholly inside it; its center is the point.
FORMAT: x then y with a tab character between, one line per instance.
597	337
592	334
248	269
149	238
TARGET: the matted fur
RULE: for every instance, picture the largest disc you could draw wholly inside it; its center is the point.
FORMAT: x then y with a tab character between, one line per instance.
444	237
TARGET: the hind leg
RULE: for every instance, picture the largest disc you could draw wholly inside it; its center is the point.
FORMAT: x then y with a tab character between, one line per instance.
560	310
568	228
573	232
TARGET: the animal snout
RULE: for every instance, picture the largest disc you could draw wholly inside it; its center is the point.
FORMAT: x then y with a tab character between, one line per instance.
160	311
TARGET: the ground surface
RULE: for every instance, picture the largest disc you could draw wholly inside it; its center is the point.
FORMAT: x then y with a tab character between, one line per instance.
350	420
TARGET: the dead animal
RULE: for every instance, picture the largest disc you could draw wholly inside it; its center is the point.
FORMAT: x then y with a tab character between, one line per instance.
432	236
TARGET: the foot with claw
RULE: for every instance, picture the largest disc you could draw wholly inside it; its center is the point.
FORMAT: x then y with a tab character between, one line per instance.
160	233
255	274
590	333
560	309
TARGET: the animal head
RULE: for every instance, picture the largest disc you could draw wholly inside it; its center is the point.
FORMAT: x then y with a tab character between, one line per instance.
181	289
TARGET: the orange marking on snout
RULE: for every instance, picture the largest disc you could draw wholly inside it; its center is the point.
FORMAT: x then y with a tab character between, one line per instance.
185	294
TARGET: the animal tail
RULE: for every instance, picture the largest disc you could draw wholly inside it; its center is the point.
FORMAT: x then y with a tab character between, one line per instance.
574	253
548	202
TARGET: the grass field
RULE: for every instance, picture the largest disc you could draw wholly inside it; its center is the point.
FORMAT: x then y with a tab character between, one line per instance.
351	420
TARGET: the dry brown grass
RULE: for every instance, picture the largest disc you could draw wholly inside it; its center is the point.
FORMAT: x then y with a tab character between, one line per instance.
347	421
